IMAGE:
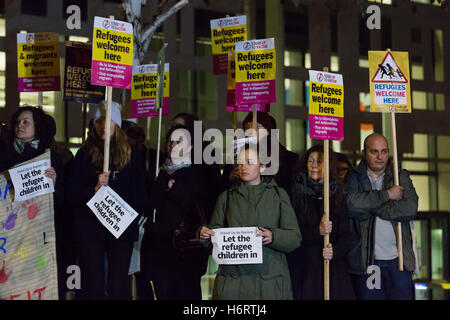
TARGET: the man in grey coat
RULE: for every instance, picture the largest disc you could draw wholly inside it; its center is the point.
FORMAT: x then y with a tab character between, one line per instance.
375	207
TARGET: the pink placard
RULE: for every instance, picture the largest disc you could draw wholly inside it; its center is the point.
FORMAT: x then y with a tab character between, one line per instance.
220	62
111	74
326	128
143	108
248	108
255	92
37	84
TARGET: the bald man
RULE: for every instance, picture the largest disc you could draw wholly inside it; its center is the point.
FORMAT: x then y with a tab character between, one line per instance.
375	207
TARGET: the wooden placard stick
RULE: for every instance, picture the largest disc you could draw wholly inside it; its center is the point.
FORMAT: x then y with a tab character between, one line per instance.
107	126
40	99
255	120
107	130
84	107
397	183
326	208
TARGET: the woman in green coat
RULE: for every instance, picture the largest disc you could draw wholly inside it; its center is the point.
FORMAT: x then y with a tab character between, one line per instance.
256	201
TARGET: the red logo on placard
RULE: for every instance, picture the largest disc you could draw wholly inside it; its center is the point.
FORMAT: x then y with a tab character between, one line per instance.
320	77
141	69
106	24
30	37
247	45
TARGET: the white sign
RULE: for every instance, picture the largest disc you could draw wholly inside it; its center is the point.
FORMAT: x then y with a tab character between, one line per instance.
30	181
112	211
237	246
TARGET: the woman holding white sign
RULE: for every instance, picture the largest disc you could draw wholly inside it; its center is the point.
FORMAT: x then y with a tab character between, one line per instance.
32	133
306	262
256	201
126	178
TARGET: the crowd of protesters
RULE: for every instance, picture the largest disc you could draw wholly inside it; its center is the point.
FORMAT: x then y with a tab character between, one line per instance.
288	208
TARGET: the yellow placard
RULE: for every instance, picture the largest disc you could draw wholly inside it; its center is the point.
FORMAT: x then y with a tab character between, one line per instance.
38	59
224	39
257	65
112	46
231	72
326	99
389	82
143	86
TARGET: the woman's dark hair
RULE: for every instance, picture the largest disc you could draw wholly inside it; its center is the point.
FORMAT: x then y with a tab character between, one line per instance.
340	157
4	132
188	119
303	167
44	124
191	133
263	118
135	133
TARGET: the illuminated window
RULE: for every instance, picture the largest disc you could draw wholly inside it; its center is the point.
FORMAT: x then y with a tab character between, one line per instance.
294	92
363	62
440	101
31	99
308	60
420	146
2	27
78	38
293	58
365	130
382	1
417	72
419	100
443	185
364	102
443	150
334	63
295	135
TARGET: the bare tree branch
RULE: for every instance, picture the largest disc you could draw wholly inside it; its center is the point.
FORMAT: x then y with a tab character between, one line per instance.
150	30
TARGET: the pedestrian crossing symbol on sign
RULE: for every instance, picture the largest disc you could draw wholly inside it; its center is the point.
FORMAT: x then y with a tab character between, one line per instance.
389	71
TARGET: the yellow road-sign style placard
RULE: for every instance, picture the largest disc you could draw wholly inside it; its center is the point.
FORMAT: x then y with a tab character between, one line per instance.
389	81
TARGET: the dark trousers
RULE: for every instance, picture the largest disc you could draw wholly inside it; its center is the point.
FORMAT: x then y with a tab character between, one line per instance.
95	284
177	286
394	284
172	279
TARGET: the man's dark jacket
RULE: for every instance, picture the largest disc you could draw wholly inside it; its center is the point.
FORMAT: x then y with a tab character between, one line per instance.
365	204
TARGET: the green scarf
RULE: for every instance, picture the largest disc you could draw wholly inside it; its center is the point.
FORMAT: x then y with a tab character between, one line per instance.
19	144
